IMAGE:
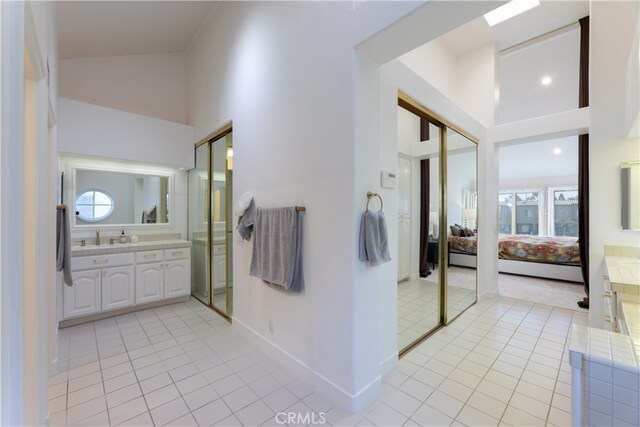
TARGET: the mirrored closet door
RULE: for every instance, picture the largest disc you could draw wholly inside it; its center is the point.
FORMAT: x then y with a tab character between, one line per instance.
438	202
419	290
462	219
211	223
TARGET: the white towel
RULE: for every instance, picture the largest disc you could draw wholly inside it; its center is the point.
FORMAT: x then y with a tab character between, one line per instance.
277	248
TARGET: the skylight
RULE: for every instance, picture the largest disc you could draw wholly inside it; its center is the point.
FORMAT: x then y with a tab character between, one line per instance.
509	10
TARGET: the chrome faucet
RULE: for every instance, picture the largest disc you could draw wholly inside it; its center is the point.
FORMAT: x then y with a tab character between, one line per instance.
97	237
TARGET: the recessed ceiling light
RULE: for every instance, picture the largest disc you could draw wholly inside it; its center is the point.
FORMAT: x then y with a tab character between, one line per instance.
509	10
557	151
546	80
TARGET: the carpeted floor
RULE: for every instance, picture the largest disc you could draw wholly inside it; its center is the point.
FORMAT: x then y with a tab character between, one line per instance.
554	293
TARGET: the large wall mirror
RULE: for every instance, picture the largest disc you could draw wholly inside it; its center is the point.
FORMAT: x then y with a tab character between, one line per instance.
109	193
630	195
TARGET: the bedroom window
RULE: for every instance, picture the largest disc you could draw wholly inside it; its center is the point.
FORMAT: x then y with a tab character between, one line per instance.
505	213
565	212
549	211
525	216
527	213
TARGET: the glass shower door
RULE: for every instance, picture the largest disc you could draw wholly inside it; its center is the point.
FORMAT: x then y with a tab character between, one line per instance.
222	224
198	224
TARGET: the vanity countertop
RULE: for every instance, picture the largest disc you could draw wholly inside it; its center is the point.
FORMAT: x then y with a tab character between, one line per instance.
129	247
623	270
603	347
631	316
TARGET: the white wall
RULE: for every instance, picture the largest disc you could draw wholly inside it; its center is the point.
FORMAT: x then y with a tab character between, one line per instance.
521	69
293	145
632	107
27	151
475	83
461	175
394	76
152	85
408	131
436	64
467	78
104	132
609	146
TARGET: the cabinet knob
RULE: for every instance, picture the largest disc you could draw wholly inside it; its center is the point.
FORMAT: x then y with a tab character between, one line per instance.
607	294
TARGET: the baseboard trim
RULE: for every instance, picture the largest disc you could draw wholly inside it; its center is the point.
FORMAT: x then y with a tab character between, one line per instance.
486	295
388	364
353	402
98	316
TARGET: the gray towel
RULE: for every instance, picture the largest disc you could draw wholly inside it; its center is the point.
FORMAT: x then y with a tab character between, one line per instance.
63	246
374	246
246	221
277	248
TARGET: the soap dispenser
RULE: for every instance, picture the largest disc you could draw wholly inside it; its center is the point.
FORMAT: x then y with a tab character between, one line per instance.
123	239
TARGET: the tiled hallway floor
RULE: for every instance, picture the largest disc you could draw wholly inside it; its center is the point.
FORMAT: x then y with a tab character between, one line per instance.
503	361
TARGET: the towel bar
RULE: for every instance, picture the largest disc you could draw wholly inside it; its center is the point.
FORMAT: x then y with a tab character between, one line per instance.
370	195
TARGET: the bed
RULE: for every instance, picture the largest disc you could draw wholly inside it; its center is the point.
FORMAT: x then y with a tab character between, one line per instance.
538	256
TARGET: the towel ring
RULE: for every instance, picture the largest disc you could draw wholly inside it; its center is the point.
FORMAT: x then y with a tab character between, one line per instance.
371	195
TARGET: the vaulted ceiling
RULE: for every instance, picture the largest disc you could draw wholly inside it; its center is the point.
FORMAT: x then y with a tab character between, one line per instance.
110	28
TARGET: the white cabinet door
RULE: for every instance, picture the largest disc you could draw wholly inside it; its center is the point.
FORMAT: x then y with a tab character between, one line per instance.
177	278
118	287
219	272
149	282
84	296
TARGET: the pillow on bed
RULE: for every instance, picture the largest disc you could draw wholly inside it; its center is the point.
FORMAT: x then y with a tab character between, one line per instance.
469	232
462	232
455	230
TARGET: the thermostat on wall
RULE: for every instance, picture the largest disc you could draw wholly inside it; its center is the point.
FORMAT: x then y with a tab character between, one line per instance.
387	179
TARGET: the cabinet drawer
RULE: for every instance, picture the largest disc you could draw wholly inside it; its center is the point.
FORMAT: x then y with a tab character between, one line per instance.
149	256
101	261
178	253
219	249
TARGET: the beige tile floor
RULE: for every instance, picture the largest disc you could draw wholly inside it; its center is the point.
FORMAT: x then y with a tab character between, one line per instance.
418	302
502	361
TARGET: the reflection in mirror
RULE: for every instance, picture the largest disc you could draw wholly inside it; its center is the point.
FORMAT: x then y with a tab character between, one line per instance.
418	193
221	230
105	197
198	217
462	218
630	195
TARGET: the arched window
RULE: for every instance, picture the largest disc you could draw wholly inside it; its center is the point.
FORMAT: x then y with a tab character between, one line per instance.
94	205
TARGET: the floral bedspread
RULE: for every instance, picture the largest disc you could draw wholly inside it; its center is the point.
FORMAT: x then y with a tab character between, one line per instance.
550	250
464	245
